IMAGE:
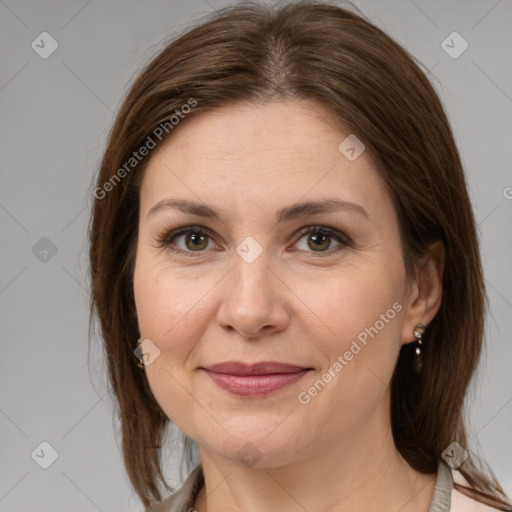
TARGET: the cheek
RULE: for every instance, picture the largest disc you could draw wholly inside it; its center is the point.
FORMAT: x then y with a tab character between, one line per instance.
361	314
361	304
173	310
168	309
168	303
339	312
174	306
364	321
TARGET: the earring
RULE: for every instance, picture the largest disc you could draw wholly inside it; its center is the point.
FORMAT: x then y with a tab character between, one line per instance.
418	333
138	353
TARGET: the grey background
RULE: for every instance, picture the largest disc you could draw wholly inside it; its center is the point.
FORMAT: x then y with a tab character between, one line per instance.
55	114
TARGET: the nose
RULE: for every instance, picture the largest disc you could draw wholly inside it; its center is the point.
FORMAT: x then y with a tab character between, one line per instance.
253	301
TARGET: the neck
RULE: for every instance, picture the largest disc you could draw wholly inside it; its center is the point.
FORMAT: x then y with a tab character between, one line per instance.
364	471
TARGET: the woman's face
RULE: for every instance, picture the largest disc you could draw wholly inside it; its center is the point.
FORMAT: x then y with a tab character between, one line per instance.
328	310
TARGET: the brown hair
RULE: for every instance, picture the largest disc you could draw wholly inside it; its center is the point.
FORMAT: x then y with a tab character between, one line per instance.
337	59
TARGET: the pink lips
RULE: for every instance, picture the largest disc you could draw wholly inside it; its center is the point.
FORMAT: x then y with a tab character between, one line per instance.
254	379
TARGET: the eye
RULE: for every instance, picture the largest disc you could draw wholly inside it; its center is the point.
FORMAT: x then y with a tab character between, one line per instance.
196	240
319	239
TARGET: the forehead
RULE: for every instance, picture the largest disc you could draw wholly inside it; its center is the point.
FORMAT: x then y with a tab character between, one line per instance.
272	154
287	130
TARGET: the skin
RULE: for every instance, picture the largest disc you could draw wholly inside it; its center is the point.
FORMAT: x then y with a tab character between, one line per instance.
296	303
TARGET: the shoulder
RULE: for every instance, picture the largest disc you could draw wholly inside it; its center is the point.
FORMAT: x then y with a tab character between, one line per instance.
182	499
462	503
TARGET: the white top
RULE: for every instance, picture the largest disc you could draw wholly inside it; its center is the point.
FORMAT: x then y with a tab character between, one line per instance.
445	499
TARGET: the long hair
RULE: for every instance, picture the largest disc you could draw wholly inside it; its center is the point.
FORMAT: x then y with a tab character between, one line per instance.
335	58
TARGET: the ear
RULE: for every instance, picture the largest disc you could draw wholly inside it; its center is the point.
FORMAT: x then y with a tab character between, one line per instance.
425	292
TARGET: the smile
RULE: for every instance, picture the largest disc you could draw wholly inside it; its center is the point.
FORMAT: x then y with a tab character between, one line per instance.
254	380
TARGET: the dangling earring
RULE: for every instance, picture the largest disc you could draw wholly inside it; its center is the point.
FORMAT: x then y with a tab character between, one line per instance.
138	353
418	333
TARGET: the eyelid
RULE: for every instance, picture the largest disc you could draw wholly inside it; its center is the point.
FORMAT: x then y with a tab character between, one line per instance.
321	228
165	241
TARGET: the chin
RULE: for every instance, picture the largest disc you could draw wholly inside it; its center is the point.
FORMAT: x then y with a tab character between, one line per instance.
257	443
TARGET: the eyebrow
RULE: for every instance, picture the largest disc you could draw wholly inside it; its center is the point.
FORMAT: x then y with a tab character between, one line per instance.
285	214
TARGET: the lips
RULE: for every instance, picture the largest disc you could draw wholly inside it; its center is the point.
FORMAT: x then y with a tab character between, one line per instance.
254	379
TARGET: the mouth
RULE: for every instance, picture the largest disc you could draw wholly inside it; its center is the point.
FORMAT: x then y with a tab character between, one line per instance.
254	379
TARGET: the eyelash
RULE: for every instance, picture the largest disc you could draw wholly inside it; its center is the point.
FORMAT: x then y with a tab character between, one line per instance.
165	242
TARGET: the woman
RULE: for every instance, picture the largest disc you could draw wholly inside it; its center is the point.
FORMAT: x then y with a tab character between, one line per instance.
282	236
